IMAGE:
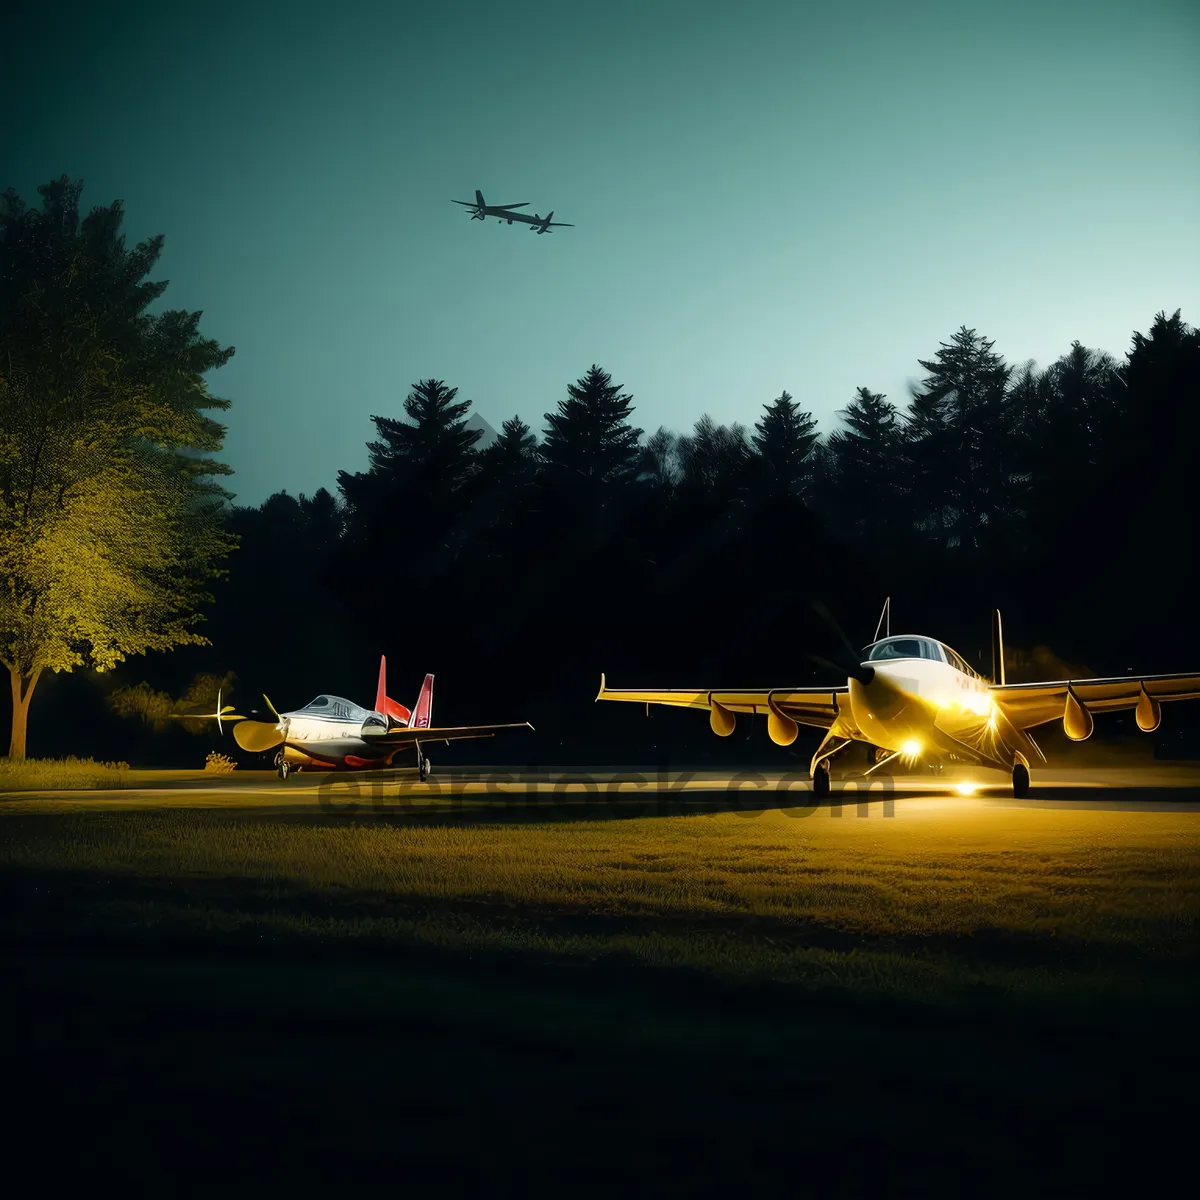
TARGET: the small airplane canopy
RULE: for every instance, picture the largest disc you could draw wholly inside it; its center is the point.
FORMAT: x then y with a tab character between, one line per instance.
906	646
335	706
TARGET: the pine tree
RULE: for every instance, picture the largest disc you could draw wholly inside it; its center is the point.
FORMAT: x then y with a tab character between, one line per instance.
433	446
503	492
589	437
960	441
785	438
418	465
513	455
864	469
716	461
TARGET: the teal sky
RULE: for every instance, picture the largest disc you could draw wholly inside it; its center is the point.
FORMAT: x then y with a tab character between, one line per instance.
766	195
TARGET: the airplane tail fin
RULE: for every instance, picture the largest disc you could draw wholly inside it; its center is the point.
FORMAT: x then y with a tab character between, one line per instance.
422	713
390	708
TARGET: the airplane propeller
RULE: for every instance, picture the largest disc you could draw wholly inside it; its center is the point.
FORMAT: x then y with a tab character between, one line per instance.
221	713
255	736
849	660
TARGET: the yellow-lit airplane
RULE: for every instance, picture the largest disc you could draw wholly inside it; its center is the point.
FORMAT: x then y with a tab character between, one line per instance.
916	699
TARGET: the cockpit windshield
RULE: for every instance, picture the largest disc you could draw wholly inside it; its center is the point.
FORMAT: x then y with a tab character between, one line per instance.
904	647
336	708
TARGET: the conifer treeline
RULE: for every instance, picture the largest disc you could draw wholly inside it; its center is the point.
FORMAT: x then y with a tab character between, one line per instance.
1065	495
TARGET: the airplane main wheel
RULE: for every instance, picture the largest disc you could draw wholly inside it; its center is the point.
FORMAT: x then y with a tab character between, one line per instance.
425	768
820	783
1020	781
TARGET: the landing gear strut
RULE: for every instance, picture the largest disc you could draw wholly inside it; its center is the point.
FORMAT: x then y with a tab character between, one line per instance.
820	782
1020	781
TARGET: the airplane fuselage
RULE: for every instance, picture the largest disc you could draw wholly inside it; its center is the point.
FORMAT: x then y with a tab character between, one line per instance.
334	741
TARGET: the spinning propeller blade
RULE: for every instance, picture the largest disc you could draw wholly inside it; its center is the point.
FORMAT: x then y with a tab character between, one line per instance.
223	713
849	659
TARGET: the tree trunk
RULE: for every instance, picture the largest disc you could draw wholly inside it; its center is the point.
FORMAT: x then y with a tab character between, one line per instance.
22	692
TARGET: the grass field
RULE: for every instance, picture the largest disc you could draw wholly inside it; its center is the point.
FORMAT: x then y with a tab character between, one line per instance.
669	1001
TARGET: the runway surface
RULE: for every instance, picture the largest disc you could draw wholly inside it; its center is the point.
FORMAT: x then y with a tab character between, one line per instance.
1173	785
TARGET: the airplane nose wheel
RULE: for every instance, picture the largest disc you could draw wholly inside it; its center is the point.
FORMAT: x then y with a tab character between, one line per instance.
282	766
1020	781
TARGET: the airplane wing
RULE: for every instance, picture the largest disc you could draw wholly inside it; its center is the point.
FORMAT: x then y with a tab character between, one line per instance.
448	733
806	707
565	224
1030	704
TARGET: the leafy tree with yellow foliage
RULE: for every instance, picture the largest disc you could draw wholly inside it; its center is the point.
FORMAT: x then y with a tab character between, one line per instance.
111	518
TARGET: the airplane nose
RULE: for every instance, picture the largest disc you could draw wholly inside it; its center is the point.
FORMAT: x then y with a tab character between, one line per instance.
875	701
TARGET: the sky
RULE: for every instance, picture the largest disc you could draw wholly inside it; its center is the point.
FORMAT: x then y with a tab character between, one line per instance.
765	195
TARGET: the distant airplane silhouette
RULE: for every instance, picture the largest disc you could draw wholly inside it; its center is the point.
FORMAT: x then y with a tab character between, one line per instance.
481	210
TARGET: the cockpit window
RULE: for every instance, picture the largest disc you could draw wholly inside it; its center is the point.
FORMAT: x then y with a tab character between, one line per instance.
959	663
904	647
335	706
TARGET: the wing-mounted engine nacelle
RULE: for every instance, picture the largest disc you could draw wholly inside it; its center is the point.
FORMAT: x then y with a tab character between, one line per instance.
1077	721
781	728
721	720
1148	713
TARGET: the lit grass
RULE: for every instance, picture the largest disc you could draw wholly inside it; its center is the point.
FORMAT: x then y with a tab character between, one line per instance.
1039	903
44	774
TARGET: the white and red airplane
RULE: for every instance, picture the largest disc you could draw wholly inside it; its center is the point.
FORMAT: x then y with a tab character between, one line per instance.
330	733
914	698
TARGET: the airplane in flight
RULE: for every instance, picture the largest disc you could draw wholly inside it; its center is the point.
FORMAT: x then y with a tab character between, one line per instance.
330	733
481	210
914	698
507	212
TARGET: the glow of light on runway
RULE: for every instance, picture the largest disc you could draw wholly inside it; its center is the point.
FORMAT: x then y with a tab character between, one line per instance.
966	788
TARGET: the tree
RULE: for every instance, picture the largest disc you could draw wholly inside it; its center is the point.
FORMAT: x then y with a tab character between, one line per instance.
589	439
514	454
785	438
504	488
864	468
1150	499
426	458
111	525
716	461
660	462
960	441
418	468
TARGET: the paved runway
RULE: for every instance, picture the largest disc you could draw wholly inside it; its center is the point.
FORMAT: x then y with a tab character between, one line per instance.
1144	786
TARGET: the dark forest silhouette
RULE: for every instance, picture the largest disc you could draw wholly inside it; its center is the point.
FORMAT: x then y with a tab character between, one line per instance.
1065	495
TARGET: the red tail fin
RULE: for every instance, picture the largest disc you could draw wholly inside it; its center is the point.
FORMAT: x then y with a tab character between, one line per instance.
390	708
422	713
